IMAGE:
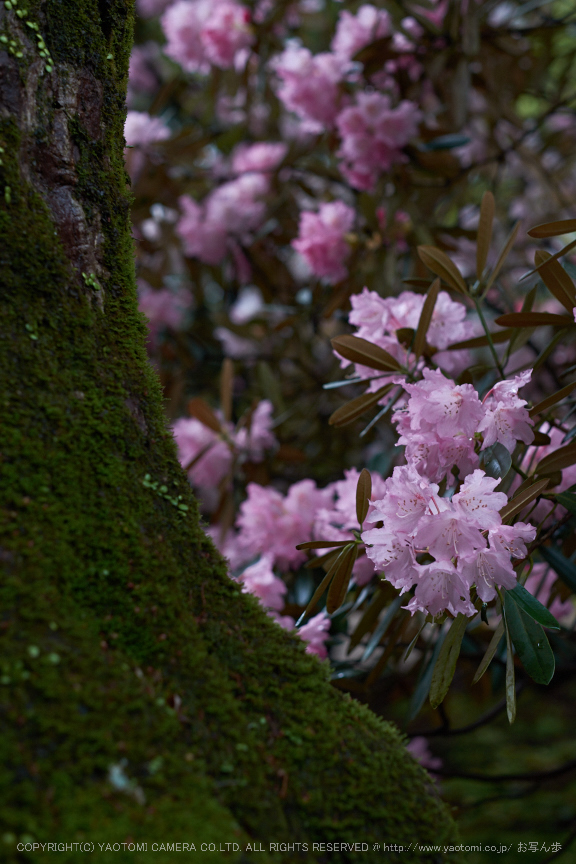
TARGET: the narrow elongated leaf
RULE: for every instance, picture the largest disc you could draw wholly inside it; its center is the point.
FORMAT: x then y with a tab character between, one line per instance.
522	498
557	461
530	641
446	662
200	409
510	680
541	439
341	580
559	254
322	544
534	319
362	351
324	561
482	341
393	638
543	406
382	627
417	282
446	142
426	318
441	265
532	606
413	642
369	618
363	495
567	500
502	257
423	685
490	651
323	585
484	232
553	229
556	279
356	407
561	565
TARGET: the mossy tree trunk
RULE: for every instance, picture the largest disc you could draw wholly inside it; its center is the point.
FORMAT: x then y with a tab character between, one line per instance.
143	697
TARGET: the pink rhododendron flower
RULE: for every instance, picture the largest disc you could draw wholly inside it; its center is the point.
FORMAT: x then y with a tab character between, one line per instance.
415	520
506	418
270	522
373	134
195	441
316	632
262	157
258	436
232	210
439	405
226	32
204	32
354	32
141	129
163	308
336	522
259	579
418	748
150	8
321	239
141	76
309	85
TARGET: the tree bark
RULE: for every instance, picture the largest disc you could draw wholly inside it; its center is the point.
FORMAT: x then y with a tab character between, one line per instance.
144	698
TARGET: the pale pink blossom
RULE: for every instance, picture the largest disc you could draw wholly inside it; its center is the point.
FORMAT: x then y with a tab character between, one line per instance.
284	621
201	33
448	535
201	238
512	538
259	579
506	418
309	84
211	455
164	307
226	32
262	157
150	8
441	587
439	405
270	522
141	76
418	748
141	130
322	239
479	502
373	134
488	568
354	32
316	632
253	440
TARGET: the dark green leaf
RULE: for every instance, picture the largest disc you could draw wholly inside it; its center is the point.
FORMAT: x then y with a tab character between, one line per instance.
425	679
380	630
530	642
510	680
567	500
490	651
363	495
496	460
533	607
446	662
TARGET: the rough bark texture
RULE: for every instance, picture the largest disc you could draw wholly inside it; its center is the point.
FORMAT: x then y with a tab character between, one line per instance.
142	695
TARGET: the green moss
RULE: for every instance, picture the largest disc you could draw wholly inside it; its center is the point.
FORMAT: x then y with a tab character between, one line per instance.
122	636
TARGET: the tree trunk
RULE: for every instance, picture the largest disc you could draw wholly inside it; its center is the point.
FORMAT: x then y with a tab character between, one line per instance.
144	698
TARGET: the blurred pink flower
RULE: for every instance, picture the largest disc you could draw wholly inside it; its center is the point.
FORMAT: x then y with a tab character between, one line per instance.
322	239
150	8
213	455
263	156
418	748
226	32
201	33
141	129
258	436
164	307
354	32
259	579
316	632
309	85
542	575
373	133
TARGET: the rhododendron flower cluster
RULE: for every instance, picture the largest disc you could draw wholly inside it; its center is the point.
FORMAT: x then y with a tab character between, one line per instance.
164	307
208	456
465	538
230	212
141	129
440	421
201	33
373	133
378	318
309	85
322	239
354	32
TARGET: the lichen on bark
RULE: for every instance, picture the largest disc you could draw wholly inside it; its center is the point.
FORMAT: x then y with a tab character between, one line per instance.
142	695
